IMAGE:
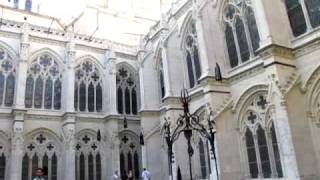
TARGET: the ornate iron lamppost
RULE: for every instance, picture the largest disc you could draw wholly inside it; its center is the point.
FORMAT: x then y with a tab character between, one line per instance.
187	123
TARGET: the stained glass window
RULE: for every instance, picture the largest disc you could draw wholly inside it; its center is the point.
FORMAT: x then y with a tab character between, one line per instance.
35	165
82	167
240	22
45	164
129	158
192	54
253	29
264	154
242	39
276	151
7	78
43	84
28	5
122	164
127	100
136	165
259	146
54	167
202	157
88	158
98	166
25	167
2	166
90	165
252	158
88	87
296	17
313	7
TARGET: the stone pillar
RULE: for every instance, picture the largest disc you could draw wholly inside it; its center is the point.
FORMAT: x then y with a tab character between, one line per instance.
69	77
110	82
112	128
287	152
272	32
17	149
205	68
68	130
166	73
213	175
22	67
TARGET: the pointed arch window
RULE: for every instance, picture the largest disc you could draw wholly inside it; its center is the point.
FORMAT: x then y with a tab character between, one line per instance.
192	54
241	31
43	86
2	166
41	151
127	84
88	88
7	78
130	155
88	158
303	15
202	157
260	141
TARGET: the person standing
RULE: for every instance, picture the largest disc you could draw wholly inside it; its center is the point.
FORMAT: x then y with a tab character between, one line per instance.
39	174
115	176
146	175
130	175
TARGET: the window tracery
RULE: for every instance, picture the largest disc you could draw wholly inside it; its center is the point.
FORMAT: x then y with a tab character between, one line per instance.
260	140
130	154
88	158
192	54
88	88
241	31
7	78
43	84
43	152
127	97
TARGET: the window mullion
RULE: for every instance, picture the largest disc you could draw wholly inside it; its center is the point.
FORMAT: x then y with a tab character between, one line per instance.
248	37
305	14
86	167
94	167
235	37
256	146
53	94
95	98
274	172
87	96
123	100
4	90
130	100
30	168
44	84
50	168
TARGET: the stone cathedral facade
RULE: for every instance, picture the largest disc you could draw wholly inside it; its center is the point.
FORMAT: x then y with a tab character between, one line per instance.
63	82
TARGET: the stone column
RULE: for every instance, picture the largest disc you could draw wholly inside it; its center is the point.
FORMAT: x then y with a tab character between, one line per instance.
272	32
69	77
166	74
110	82
213	168
287	153
17	149
22	67
205	68
112	129
68	130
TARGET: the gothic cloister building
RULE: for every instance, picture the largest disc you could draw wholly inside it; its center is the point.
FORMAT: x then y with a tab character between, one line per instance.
117	67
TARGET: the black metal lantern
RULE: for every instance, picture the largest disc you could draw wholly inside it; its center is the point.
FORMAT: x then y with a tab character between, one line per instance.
141	139
98	135
125	122
187	123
